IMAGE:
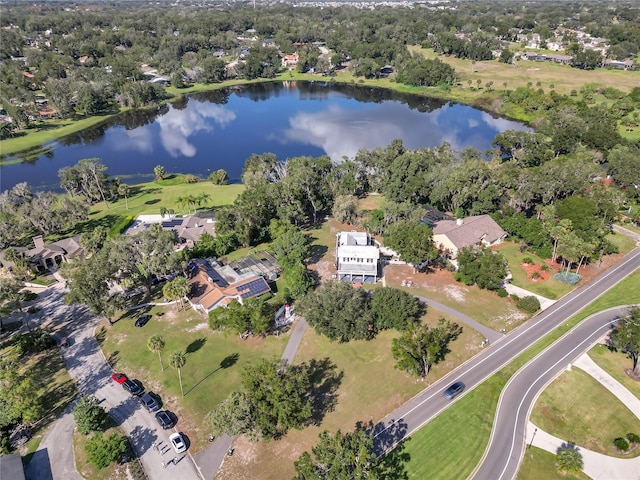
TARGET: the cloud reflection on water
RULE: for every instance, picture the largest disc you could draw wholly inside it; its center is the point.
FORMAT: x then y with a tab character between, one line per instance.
178	125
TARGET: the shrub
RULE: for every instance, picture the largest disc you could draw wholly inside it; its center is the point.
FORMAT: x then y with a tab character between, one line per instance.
102	451
190	178
35	341
535	275
529	304
528	261
219	177
621	444
569	278
28	296
502	293
633	438
514	297
544	267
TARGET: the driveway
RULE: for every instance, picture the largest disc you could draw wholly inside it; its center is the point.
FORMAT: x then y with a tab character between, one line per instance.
89	369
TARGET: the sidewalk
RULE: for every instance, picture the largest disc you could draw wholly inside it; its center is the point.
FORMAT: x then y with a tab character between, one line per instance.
521	292
596	465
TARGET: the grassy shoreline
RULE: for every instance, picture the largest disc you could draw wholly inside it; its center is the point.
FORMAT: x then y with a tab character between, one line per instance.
562	78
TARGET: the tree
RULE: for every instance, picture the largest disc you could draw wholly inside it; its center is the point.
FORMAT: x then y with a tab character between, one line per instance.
123	191
340	456
291	247
88	415
88	282
176	289
419	347
569	459
155	343
88	179
10	295
394	308
338	311
219	177
159	172
177	361
626	337
234	416
280	395
102	451
413	240
482	267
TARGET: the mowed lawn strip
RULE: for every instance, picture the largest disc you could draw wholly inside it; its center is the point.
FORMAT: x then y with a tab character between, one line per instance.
627	291
580	410
539	464
615	364
370	388
214	362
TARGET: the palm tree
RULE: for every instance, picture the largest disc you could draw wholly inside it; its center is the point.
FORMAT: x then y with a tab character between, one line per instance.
569	459
176	289
123	191
156	344
159	172
177	361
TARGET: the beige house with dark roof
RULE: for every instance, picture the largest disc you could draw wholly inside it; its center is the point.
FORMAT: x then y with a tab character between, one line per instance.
452	235
47	256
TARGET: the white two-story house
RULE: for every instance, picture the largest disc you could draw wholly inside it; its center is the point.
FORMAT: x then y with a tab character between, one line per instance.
357	257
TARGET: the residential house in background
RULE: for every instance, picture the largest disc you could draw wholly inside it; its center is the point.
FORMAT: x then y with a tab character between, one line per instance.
357	257
290	61
214	285
188	228
450	236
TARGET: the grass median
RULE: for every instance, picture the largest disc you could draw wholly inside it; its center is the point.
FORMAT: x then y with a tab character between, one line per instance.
471	418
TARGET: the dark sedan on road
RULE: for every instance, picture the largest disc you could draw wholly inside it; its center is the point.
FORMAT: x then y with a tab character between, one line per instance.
453	390
150	402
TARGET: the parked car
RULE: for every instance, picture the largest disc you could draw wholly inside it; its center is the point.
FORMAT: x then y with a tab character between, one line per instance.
164	419
177	441
142	320
453	390
118	377
134	387
150	403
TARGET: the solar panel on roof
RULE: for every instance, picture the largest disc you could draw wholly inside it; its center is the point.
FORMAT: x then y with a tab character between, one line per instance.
172	223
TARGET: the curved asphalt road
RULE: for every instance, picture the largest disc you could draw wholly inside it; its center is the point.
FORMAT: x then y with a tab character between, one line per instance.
508	436
430	402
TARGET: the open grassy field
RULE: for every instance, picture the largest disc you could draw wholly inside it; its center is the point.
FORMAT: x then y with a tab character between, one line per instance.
539	464
576	407
432	436
358	397
213	362
57	390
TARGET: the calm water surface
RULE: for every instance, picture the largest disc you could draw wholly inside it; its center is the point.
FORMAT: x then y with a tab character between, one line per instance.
221	129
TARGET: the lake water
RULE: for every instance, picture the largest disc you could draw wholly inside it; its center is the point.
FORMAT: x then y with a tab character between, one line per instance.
221	129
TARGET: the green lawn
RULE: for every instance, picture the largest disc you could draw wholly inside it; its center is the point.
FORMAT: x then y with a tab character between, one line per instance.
206	381
466	458
149	198
624	243
550	288
539	464
579	409
615	364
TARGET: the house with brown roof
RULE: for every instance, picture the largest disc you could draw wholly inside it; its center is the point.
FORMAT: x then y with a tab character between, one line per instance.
450	236
188	228
48	256
214	285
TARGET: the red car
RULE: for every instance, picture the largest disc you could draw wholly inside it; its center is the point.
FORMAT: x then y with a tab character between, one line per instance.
118	378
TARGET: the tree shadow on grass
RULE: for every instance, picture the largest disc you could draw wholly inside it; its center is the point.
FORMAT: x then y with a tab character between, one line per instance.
325	381
387	435
316	252
392	464
228	361
196	345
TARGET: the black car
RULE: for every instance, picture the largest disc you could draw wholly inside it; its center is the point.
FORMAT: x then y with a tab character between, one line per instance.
133	387
142	320
453	390
150	402
164	419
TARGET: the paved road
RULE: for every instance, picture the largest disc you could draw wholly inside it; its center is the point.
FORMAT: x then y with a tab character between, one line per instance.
508	437
90	371
430	402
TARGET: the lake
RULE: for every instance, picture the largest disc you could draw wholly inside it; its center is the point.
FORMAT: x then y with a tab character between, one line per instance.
220	129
